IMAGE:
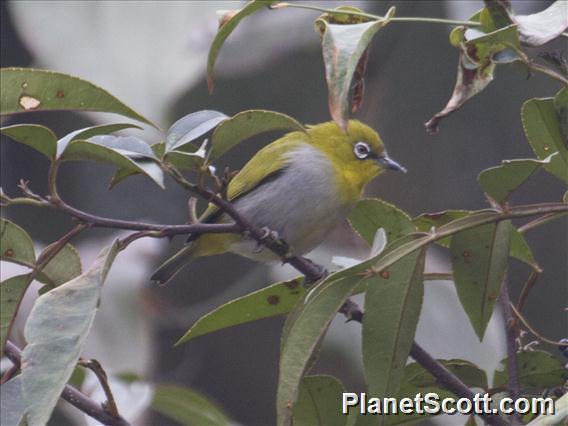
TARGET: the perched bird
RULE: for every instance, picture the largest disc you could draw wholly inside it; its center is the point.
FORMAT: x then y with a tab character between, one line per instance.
299	186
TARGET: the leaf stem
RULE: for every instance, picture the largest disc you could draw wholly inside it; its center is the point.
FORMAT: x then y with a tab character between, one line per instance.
376	17
540	221
533	331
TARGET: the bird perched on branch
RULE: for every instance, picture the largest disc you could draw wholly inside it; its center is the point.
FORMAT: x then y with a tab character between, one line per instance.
299	187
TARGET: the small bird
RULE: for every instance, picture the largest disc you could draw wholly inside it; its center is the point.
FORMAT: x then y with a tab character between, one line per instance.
299	187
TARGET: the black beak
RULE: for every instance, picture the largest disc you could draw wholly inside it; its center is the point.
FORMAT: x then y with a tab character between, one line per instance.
387	163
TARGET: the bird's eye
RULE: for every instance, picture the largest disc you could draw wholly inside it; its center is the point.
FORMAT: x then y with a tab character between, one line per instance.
361	150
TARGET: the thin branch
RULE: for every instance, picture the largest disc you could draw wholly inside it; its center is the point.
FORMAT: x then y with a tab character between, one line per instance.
97	369
540	221
376	17
73	395
534	332
438	276
526	289
513	383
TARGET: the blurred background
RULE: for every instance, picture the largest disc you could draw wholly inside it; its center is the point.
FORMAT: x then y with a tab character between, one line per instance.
152	56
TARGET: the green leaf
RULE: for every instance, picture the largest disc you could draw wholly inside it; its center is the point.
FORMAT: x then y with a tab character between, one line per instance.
185	160
476	62
344	46
539	28
536	370
544	133
466	371
38	137
521	250
561	106
500	182
150	167
65	266
226	29
191	127
89	132
425	222
27	89
276	299
479	262
12	291
305	327
97	150
56	332
16	246
369	215
12	408
392	307
187	407
247	124
318	402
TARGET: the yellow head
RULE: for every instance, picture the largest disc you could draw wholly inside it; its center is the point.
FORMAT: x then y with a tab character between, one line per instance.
358	156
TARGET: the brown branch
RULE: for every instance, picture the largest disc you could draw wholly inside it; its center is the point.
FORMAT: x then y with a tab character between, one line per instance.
97	369
73	395
513	383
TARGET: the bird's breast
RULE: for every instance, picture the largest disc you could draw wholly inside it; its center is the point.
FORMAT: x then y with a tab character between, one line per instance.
302	204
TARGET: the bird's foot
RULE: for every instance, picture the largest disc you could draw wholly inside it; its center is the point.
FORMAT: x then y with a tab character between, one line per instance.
268	235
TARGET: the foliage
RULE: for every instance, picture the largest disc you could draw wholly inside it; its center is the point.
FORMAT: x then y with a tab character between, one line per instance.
480	242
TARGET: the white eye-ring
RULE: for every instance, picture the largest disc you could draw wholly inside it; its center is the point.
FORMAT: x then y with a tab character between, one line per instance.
361	150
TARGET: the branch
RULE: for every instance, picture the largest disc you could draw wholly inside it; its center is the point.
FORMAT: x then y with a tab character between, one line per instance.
74	396
513	383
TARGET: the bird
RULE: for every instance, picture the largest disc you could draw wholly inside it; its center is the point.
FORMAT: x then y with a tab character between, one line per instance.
298	187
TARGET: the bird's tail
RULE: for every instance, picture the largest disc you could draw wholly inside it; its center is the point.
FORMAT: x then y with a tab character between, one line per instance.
173	265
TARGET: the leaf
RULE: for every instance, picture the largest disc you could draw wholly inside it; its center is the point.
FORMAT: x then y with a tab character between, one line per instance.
476	61
371	214
544	133
500	181
12	408
479	262
65	266
38	137
225	30
187	407
519	247
151	168
12	291
247	124
318	402
191	127
16	245
276	299
392	307
89	132
185	160
26	89
466	371
305	326
344	45
56	332
536	370
561	106
539	28
103	150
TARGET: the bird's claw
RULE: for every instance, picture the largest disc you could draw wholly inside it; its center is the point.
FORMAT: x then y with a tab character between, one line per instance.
267	235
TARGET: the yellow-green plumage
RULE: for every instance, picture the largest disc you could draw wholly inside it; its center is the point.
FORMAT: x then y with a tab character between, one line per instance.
300	186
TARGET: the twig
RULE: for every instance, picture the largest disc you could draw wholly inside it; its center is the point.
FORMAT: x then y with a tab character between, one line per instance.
9	373
513	383
526	289
540	221
97	369
534	332
73	395
376	17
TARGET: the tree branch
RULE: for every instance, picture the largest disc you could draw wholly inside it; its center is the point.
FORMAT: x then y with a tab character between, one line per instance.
73	395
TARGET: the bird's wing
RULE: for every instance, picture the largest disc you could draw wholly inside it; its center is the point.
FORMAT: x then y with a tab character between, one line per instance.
264	166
